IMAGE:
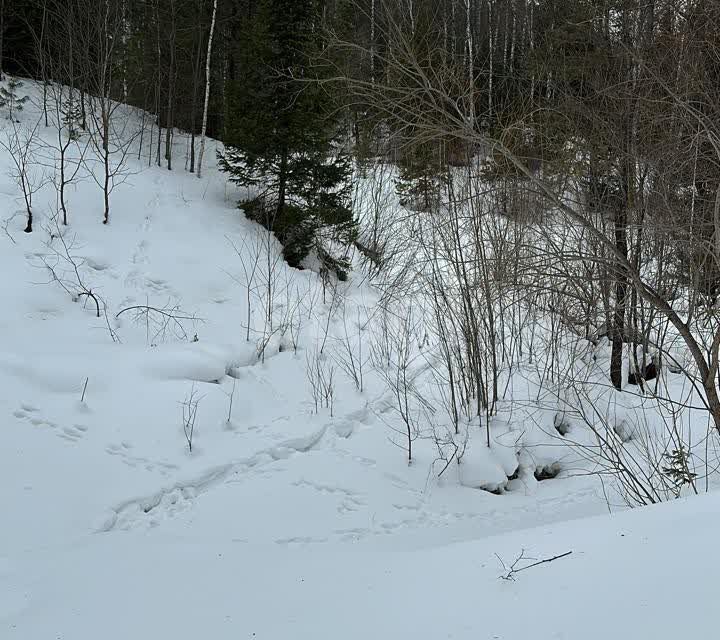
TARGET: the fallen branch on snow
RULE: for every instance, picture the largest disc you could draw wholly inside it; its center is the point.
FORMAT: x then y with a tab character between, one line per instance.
514	569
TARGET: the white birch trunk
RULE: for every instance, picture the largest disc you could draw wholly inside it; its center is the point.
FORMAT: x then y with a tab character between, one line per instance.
470	62
372	41
207	90
491	70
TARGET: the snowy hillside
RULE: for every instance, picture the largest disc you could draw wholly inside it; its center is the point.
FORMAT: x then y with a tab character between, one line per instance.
622	580
193	457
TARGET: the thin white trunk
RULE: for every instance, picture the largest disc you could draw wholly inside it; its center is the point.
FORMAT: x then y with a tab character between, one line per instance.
372	41
2	31
531	32
124	38
513	37
505	39
470	63
207	90
453	28
491	54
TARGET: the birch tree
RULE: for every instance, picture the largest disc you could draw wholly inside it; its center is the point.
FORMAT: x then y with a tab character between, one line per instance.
208	59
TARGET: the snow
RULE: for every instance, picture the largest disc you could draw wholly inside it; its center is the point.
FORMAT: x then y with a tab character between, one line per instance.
621	580
281	523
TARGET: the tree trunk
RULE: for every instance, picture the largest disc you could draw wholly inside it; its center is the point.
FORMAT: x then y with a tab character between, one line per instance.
43	60
83	111
282	184
470	64
2	35
207	90
620	218
196	82
106	160
171	92
158	85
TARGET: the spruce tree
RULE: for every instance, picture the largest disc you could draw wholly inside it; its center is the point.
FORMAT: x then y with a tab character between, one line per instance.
72	117
9	97
420	178
280	138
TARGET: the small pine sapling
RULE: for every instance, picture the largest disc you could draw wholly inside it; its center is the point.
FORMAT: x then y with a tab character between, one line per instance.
9	97
72	118
677	469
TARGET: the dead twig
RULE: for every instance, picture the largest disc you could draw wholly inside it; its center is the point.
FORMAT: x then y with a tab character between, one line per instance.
161	319
513	569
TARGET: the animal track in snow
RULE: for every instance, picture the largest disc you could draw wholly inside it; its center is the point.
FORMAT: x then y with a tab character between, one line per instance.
140	254
350	501
123	452
74	433
136	279
300	540
133	279
31	415
168	502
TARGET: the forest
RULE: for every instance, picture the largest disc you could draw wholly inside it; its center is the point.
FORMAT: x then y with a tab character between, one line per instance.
359	319
540	179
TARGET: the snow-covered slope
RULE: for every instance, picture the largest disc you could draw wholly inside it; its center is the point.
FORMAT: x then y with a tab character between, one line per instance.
645	574
283	521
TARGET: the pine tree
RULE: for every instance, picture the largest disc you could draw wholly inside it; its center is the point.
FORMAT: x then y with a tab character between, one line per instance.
419	182
72	117
9	97
678	468
280	139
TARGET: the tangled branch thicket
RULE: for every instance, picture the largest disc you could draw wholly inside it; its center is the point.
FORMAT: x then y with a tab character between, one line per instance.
570	243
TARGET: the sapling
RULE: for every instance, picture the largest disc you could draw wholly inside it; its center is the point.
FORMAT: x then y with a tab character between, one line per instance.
677	468
71	117
21	145
189	415
9	97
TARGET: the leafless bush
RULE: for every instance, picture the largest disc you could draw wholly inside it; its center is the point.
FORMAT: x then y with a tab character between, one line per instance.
450	444
644	456
336	300
249	256
375	203
348	352
113	140
295	322
289	313
189	415
65	268
395	360
321	376
68	147
22	146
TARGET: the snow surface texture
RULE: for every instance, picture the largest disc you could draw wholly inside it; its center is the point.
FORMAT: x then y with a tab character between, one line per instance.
282	522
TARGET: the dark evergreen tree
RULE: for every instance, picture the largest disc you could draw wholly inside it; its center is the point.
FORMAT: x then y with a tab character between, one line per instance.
420	177
10	98
72	116
281	139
